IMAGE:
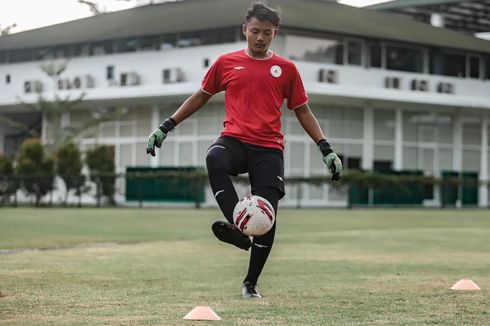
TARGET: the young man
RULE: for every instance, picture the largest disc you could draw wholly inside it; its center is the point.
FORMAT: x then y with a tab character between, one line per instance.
256	82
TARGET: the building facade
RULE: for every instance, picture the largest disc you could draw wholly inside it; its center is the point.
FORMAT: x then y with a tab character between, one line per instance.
390	94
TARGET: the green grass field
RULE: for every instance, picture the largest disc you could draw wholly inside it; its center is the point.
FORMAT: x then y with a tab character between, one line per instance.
328	267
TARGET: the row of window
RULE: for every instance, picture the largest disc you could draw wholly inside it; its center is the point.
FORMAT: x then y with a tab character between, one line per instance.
387	55
299	46
146	43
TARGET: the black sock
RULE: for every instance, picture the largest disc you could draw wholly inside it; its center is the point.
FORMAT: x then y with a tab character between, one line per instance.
262	245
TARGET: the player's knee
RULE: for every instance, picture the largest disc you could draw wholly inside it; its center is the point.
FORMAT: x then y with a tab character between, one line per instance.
214	161
272	194
266	240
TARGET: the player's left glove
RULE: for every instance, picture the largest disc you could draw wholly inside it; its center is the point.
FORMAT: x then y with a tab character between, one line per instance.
332	161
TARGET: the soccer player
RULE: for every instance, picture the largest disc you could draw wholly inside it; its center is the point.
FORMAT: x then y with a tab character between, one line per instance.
256	81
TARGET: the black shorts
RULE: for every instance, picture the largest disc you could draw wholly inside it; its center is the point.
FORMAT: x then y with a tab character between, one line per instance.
265	166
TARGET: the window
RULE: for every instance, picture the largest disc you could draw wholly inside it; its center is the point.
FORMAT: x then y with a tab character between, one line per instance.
189	39
297	158
127	45
375	54
474	67
81	50
352	163
45	54
404	58
186	153
448	64
76	50
7	79
472	133
227	35
110	72
339	53
354	55
487	68
61	52
206	62
21	55
100	48
384	124
168	41
314	49
148	43
382	166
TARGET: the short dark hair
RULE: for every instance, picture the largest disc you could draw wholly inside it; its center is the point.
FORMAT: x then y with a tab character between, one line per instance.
263	13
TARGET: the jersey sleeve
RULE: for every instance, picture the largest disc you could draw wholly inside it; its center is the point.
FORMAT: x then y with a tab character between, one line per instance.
212	81
296	94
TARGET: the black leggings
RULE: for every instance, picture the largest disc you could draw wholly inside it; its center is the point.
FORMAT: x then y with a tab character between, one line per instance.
229	156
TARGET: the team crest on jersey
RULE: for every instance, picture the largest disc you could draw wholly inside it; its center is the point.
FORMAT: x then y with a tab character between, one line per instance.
276	71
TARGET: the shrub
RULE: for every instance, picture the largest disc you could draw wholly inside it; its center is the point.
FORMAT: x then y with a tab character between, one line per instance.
69	167
35	170
8	184
100	161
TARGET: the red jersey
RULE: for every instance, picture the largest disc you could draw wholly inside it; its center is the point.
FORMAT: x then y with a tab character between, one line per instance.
255	90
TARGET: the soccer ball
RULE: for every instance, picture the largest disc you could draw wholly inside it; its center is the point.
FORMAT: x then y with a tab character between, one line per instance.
254	215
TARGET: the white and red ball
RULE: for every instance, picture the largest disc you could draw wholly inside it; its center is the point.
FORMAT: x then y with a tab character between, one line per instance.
254	215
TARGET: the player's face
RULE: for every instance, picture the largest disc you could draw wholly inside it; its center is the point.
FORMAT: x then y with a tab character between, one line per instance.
259	36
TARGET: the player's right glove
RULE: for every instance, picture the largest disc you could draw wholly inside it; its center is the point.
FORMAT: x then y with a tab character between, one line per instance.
332	161
158	135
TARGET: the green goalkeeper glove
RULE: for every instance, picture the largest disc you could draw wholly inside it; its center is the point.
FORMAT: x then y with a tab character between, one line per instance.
157	137
332	161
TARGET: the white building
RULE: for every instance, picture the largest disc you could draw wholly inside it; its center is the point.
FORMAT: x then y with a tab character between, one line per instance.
391	94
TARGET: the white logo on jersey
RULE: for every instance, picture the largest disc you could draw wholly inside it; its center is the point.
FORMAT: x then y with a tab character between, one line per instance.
276	71
238	68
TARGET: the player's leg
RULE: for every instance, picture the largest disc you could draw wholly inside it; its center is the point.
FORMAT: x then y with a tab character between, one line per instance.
261	247
226	157
266	173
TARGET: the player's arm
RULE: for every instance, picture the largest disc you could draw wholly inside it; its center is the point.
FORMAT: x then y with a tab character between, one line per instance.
191	105
312	127
309	123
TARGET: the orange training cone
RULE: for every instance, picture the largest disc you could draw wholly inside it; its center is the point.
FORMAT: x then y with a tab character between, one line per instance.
202	313
465	284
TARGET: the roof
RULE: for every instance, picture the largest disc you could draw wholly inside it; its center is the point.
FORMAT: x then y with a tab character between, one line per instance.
187	15
396	4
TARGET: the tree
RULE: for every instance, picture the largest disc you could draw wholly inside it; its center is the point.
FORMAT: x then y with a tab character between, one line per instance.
6	30
69	167
100	161
94	7
8	184
34	169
